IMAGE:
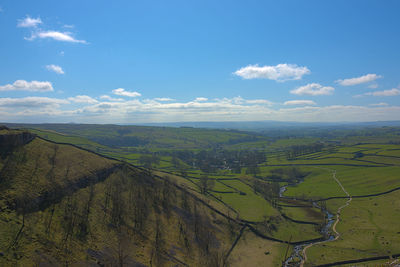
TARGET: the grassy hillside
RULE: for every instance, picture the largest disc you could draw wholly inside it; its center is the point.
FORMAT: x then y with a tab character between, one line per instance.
244	174
152	138
61	205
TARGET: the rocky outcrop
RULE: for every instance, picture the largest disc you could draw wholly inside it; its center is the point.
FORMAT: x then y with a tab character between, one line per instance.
13	139
56	193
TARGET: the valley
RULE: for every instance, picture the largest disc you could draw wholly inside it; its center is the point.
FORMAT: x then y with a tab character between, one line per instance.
291	201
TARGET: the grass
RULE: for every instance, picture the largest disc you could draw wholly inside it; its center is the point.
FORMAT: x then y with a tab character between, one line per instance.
369	227
383	159
53	233
62	138
395	152
155	138
254	251
319	184
250	207
304	214
41	167
288	230
357	179
364	181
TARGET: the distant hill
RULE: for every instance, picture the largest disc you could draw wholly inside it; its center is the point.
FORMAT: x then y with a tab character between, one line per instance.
206	135
149	136
267	125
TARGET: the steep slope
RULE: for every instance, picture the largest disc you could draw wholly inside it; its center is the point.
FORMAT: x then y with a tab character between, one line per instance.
35	173
61	205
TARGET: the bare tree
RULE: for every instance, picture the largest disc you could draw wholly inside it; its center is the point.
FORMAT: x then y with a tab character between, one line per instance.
206	184
157	258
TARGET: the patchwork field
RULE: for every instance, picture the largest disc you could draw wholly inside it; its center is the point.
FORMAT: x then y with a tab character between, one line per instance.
281	198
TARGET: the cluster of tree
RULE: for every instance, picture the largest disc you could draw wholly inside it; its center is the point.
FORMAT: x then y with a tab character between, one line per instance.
248	138
269	224
298	150
268	190
148	160
206	184
119	141
210	160
136	210
196	231
253	170
358	154
291	175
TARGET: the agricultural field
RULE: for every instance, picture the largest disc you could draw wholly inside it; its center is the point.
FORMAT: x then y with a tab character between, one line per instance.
285	194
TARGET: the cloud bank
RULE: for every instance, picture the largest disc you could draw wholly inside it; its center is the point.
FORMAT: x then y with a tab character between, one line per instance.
90	110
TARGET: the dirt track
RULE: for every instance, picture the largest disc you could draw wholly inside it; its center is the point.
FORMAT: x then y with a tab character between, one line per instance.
337	234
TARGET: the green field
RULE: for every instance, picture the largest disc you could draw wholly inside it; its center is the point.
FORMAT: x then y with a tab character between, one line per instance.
371	167
369	228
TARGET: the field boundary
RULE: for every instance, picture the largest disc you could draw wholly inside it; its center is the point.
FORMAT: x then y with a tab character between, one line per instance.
362	196
387	257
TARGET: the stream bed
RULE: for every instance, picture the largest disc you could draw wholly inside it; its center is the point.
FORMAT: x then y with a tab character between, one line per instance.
297	254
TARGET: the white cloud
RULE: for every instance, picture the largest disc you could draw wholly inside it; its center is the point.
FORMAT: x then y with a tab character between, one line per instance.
29	22
338	113
313	89
382	104
123	92
55	35
234	100
259	101
300	102
391	92
164	99
43	109
359	80
200	99
55	68
228	109
32	102
33	86
280	72
109	98
84	99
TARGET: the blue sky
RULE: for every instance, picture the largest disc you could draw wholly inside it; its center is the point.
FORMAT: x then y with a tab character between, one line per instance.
163	61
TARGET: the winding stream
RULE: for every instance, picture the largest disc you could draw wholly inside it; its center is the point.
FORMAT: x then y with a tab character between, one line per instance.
299	256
